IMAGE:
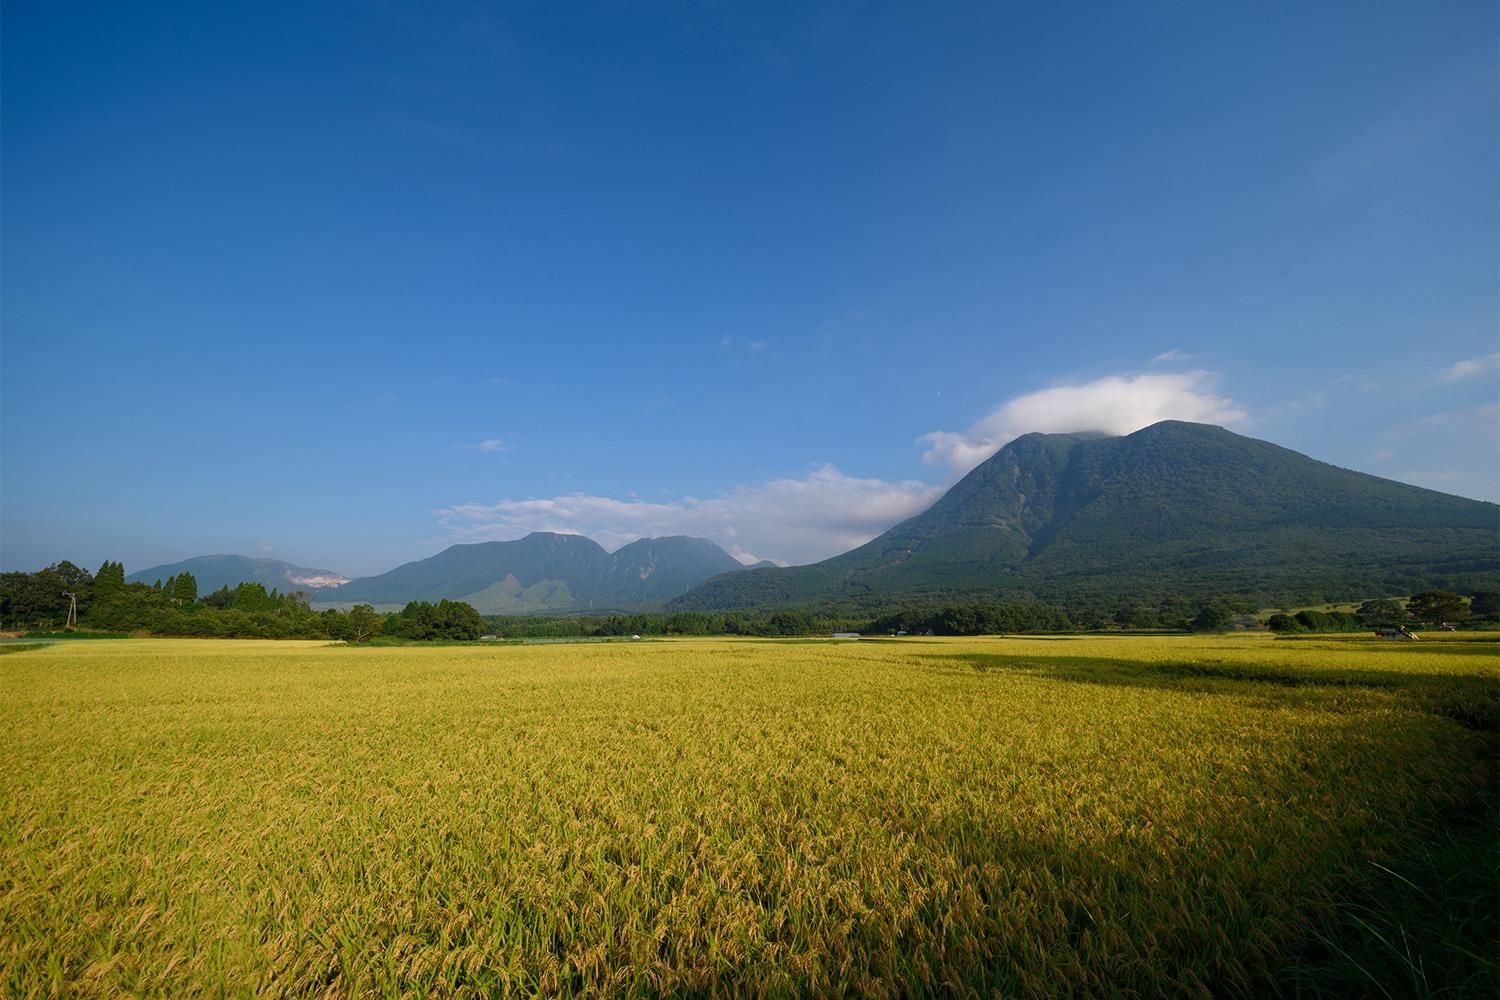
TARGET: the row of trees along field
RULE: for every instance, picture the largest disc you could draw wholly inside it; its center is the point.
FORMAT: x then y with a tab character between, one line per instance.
1429	608
957	618
934	615
173	607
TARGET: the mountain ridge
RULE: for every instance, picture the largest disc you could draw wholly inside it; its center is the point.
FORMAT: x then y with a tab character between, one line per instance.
546	571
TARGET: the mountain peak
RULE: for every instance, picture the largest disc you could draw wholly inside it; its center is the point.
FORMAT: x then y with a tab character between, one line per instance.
547	571
1176	508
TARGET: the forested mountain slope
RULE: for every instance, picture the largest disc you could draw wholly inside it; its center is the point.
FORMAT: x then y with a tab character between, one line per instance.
1175	507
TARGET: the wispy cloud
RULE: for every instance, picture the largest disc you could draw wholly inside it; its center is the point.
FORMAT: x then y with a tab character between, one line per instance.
1484	419
1116	404
489	445
1419	131
1166	357
1457	451
789	520
1471	367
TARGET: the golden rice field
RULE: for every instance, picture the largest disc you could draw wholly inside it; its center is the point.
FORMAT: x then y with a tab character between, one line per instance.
1023	817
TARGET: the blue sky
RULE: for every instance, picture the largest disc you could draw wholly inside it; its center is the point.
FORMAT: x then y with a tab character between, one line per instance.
344	283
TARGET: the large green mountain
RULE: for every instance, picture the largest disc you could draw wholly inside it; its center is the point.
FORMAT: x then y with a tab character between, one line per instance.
546	572
1175	508
213	572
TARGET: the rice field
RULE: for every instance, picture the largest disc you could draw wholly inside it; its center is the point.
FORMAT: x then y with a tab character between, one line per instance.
1132	816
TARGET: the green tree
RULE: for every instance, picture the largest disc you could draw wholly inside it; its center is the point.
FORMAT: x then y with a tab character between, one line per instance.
251	596
41	598
452	620
1327	621
1485	605
30	599
221	598
457	620
1213	618
363	623
109	582
1282	622
1437	606
1382	613
184	589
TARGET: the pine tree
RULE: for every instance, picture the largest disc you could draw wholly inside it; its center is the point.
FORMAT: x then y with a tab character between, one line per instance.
109	582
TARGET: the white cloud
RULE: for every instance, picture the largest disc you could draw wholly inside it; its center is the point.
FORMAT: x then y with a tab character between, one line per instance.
1471	367
492	444
1116	404
1166	356
788	520
827	512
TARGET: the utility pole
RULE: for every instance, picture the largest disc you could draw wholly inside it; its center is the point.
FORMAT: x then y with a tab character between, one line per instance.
72	610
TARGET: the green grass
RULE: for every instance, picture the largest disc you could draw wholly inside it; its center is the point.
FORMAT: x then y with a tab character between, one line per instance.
1063	816
75	634
1265	613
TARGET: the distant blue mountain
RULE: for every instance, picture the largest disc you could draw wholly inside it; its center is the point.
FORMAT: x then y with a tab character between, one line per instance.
213	572
546	572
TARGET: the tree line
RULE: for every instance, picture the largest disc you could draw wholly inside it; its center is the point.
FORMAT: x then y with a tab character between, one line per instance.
951	618
1430	608
174	607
